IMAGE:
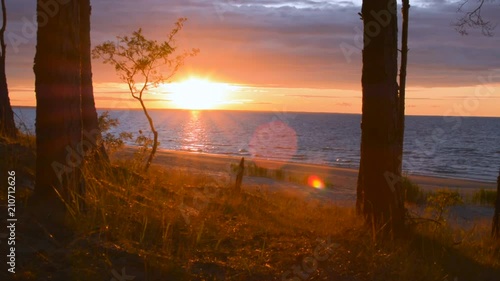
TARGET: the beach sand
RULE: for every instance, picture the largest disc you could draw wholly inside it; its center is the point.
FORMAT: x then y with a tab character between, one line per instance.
341	181
340	178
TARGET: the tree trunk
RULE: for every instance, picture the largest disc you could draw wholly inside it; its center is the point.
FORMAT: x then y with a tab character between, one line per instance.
495	229
58	98
7	125
155	136
382	204
402	83
359	189
92	134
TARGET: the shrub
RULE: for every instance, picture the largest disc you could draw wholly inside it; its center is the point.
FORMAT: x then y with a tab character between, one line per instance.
485	197
110	141
440	201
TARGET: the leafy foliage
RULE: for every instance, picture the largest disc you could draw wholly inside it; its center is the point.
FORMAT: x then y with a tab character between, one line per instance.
141	63
440	201
110	141
138	60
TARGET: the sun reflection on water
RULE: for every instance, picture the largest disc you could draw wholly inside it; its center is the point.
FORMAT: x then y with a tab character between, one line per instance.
194	134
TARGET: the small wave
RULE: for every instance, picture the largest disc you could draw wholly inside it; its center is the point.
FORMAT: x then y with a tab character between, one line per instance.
299	157
192	149
444	172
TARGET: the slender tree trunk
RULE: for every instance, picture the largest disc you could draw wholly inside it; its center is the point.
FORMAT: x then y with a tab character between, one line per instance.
58	97
402	82
382	204
92	133
155	136
7	125
495	229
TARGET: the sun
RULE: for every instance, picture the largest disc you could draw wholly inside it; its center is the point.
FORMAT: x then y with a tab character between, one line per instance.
198	94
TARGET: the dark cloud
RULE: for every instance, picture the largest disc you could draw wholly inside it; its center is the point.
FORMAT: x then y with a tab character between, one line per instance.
280	43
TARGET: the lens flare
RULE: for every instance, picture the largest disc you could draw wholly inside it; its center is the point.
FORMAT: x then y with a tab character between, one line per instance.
273	140
316	182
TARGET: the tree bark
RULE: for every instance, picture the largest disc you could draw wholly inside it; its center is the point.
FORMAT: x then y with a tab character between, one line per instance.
402	82
7	124
58	97
495	229
92	133
382	204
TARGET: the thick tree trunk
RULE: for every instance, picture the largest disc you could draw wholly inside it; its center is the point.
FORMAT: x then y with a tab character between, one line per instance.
382	204
7	125
359	189
92	134
495	229
58	96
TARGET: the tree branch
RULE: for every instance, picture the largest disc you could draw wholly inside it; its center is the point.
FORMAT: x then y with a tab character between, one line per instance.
473	19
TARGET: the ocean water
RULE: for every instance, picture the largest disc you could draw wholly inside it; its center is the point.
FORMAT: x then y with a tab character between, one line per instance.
451	147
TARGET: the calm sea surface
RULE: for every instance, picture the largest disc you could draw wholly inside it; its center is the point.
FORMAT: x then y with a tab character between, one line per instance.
453	147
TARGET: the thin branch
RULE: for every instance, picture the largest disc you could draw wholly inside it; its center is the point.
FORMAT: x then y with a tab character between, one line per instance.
473	19
2	30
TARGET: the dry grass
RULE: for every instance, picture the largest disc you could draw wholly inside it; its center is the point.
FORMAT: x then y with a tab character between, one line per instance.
173	225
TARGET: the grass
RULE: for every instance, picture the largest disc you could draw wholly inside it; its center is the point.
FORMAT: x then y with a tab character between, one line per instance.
173	225
253	170
412	192
485	197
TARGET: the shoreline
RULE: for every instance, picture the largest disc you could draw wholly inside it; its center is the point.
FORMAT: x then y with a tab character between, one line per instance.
339	177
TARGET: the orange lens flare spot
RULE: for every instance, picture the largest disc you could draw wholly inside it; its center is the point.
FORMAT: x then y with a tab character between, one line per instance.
316	182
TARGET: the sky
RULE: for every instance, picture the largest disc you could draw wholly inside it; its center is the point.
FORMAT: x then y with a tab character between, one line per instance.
274	55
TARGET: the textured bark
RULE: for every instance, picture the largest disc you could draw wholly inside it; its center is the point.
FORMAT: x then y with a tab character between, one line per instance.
90	122
58	98
381	202
495	229
359	189
7	125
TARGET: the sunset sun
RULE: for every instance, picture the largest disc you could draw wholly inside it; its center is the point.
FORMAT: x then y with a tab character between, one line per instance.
195	93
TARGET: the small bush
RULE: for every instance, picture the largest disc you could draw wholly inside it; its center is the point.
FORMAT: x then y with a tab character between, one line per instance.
440	201
485	197
110	141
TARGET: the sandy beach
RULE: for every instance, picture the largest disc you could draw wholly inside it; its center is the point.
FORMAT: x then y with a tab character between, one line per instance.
342	180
